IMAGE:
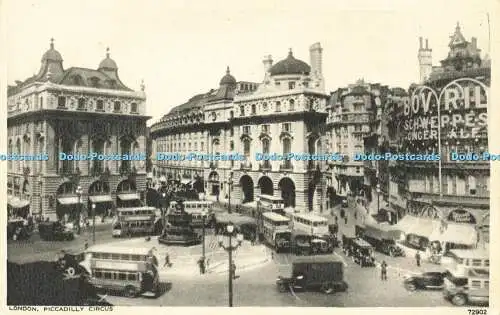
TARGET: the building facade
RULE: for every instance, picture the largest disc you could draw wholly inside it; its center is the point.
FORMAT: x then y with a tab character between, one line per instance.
75	111
286	113
447	115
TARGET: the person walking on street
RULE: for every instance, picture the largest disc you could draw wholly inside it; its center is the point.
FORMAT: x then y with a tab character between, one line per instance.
167	261
417	258
201	264
383	271
86	245
233	268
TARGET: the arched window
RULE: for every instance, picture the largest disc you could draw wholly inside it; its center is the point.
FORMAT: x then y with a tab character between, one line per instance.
81	103
291	105
254	109
472	185
133	108
242	110
98	147
278	106
265	146
100	106
9	150
264	107
287	146
117	106
77	80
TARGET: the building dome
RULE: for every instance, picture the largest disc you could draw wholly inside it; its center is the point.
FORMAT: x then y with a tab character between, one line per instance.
290	65
52	54
228	79
108	63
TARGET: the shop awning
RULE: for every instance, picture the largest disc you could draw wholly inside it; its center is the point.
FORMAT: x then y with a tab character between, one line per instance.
68	200
163	179
127	197
100	198
15	202
185	181
418	226
456	233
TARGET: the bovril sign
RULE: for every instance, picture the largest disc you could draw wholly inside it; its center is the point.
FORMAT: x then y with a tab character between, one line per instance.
461	114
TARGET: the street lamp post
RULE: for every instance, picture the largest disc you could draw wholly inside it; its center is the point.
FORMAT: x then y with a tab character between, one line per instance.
93	222
230	248
204	213
79	191
378	198
163	210
230	184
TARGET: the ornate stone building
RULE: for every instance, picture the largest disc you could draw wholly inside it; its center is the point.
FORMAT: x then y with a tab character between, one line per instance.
286	113
445	114
75	110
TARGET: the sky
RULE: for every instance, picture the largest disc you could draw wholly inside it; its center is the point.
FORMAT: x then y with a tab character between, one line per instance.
182	48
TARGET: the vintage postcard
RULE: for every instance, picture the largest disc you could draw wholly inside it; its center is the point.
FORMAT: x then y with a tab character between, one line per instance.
262	154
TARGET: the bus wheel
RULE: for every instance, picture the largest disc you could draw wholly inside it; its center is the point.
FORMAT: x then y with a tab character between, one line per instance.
459	300
70	271
130	291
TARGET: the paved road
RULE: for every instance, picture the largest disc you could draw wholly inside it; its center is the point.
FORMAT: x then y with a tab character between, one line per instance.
256	287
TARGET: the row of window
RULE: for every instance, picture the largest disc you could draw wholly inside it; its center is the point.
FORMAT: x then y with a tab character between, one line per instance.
117	106
309	222
116	275
265	107
285	127
124	257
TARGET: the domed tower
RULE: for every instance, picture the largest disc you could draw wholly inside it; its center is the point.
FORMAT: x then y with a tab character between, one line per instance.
290	66
51	63
108	66
227	86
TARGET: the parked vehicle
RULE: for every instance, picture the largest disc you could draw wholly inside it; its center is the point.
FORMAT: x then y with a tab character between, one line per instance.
69	263
18	229
324	273
362	253
55	231
426	280
471	287
383	241
304	244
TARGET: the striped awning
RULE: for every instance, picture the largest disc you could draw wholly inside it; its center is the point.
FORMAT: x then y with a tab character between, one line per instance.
68	200
130	196
100	198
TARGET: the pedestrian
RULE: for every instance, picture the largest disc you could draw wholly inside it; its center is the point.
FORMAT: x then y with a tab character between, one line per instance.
233	268
201	264
417	258
86	245
167	261
345	220
383	271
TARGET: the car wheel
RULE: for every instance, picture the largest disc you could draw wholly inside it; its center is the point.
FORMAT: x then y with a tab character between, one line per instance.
459	300
410	287
70	271
130	291
327	288
282	287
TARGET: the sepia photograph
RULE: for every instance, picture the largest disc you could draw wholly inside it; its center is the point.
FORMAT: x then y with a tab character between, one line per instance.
261	154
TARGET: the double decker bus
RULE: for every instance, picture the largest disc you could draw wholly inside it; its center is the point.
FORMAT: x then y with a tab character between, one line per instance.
132	221
275	230
132	271
269	203
310	224
196	208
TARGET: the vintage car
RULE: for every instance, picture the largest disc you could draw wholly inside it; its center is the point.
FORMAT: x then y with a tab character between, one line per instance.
55	231
324	273
362	253
426	280
384	241
18	229
305	244
69	261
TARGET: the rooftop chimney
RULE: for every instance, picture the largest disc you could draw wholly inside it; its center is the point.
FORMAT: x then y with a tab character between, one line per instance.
421	42
474	42
426	43
268	62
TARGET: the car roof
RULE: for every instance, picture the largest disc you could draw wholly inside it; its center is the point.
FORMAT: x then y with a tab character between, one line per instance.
317	259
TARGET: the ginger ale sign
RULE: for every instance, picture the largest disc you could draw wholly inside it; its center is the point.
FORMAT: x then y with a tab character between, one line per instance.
458	111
